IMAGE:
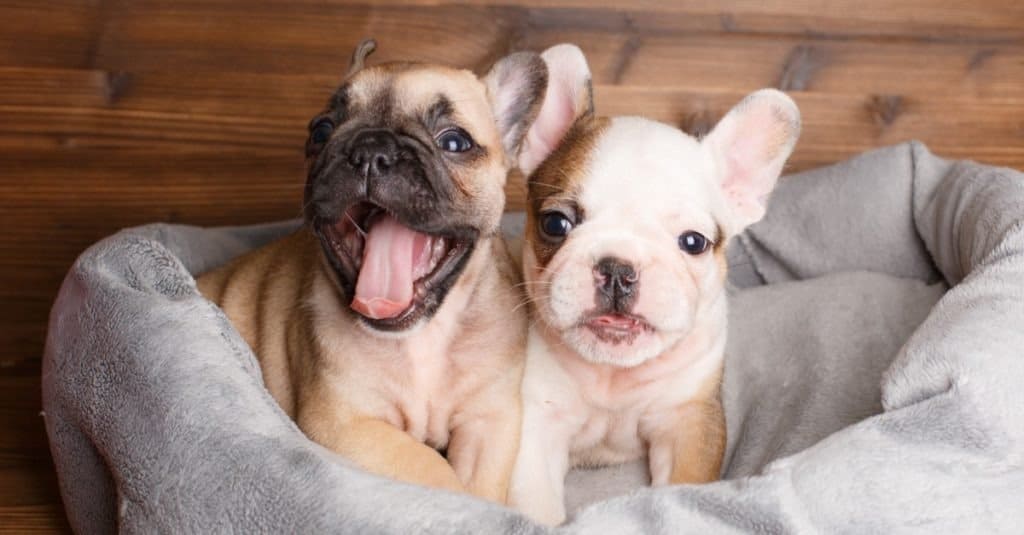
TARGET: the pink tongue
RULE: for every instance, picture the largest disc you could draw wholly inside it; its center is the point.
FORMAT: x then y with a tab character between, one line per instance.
391	255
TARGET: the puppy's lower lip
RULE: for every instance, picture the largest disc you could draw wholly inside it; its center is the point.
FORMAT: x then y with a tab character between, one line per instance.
617	328
617	321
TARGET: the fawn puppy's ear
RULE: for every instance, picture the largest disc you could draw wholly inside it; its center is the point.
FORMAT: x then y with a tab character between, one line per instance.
568	97
749	146
515	89
362	50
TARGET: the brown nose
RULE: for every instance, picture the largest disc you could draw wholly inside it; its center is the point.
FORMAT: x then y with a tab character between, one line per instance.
617	283
373	152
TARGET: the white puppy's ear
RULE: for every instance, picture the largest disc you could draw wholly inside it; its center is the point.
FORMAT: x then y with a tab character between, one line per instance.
568	97
749	146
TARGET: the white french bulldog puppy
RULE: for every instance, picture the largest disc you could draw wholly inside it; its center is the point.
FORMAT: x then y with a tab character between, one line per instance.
624	263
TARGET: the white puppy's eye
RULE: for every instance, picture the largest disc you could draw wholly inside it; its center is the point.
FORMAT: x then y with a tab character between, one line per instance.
555	225
694	243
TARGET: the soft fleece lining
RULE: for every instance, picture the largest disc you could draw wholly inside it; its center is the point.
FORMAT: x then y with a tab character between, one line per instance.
874	384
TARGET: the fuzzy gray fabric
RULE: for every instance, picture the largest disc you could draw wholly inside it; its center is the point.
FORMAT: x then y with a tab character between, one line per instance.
874	382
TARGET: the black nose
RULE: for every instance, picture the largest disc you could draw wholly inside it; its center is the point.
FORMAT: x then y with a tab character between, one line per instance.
373	152
617	282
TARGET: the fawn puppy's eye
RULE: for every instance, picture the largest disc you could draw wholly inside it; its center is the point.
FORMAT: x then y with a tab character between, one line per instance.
555	225
321	131
454	140
694	243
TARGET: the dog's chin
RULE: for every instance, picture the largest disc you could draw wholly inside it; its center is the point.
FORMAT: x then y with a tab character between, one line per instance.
444	256
370	326
616	343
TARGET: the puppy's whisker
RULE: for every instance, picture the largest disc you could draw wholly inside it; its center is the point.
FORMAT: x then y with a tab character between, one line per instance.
526	284
556	188
302	210
534	322
529	300
543	269
327	168
354	223
546	185
535	299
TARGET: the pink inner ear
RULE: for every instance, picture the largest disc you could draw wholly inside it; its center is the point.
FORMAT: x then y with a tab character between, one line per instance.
740	183
751	149
555	118
753	142
566	98
553	121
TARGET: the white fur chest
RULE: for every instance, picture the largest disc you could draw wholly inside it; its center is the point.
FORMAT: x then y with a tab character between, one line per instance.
608	437
422	387
606	411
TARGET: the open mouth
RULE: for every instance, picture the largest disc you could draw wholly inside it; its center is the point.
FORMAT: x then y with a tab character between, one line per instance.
614	328
396	274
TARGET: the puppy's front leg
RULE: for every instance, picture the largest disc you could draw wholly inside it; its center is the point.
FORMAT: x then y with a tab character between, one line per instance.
376	446
689	447
483	450
538	481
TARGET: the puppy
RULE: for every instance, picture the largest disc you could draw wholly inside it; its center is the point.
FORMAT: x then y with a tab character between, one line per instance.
386	326
624	264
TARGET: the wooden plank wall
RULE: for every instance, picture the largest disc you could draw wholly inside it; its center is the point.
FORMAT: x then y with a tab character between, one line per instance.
120	112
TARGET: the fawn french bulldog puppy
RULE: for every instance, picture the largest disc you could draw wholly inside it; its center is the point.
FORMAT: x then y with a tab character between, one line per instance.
624	264
386	326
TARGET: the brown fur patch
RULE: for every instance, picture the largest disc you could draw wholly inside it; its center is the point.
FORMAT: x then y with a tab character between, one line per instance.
700	437
557	181
696	436
720	258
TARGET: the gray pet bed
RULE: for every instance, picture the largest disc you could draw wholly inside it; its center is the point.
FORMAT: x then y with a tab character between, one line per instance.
875	382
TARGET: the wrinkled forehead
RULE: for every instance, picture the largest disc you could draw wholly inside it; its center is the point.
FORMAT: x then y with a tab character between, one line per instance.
642	164
418	89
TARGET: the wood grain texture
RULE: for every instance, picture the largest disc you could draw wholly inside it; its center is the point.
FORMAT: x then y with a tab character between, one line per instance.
116	113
